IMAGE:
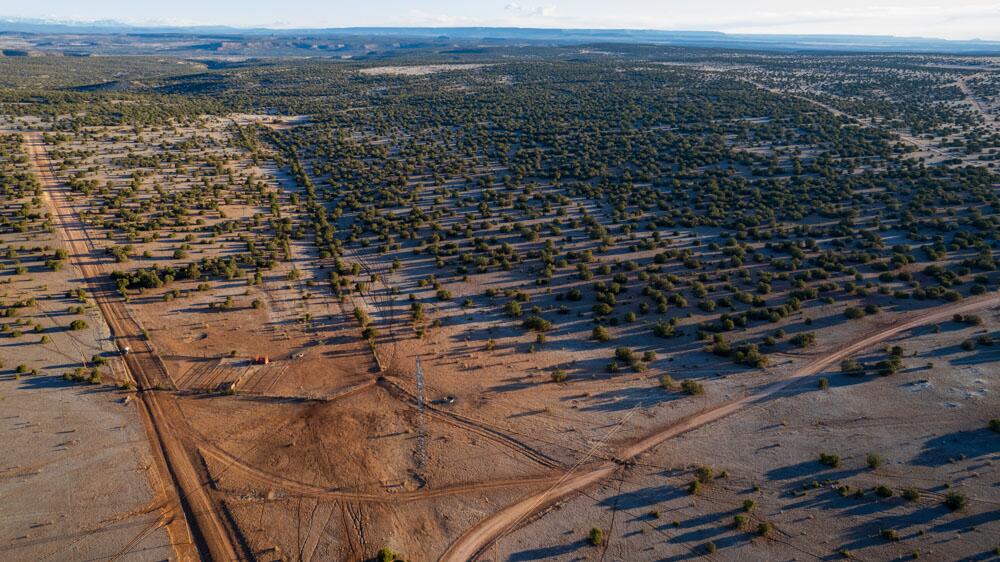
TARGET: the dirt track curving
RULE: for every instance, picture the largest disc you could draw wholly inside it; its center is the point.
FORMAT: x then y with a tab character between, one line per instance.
976	102
496	435
479	537
177	473
303	489
908	139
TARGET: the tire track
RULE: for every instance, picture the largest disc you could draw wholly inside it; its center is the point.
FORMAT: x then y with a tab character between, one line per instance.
480	536
176	470
474	427
298	488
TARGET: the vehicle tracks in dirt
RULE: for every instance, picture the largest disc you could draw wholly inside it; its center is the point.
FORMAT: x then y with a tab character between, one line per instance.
201	527
479	537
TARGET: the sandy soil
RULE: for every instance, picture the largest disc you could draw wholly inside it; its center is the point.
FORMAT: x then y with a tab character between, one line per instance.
75	476
322	454
75	473
770	454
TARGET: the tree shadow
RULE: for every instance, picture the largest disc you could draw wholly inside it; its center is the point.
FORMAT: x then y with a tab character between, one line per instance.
548	552
627	398
642	498
967	522
943	449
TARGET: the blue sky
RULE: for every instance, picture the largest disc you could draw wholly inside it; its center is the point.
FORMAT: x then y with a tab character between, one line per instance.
952	19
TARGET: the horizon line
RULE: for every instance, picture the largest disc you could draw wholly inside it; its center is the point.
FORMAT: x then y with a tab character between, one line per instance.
111	24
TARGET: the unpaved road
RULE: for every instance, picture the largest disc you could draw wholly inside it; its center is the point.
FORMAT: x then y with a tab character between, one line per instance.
175	467
479	537
909	139
976	102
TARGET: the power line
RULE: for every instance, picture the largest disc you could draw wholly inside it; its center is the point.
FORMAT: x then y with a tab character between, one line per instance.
421	419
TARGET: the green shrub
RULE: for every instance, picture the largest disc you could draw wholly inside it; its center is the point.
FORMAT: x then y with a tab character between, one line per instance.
692	388
854	313
361	316
704	474
537	324
874	461
600	333
624	354
888	366
851	367
889	535
596	536
803	339
955	501
663	330
833	461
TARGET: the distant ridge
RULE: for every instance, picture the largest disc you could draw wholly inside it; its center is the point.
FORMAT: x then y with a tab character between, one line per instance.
535	36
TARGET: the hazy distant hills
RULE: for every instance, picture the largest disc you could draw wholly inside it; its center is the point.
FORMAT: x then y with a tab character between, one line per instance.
20	37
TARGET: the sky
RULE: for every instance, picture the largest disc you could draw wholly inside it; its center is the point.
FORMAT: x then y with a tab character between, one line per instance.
948	19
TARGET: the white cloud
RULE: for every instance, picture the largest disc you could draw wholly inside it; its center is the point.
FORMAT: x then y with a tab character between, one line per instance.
946	21
518	10
961	19
953	19
513	15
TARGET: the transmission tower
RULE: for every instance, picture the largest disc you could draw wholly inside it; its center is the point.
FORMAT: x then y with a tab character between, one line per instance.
421	421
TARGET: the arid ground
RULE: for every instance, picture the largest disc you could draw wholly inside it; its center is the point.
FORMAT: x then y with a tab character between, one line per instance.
561	304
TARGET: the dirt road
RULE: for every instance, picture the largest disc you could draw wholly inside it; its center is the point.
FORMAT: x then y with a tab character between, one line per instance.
486	531
180	481
909	139
976	102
